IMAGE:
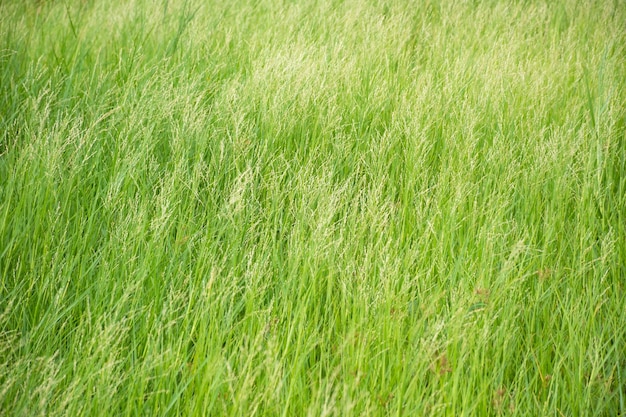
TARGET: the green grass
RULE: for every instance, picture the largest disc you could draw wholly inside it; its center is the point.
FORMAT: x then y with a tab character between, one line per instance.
313	208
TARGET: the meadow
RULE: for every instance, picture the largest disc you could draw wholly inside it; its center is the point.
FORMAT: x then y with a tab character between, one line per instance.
312	208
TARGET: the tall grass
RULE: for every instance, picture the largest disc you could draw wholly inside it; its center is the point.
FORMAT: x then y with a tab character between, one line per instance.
312	208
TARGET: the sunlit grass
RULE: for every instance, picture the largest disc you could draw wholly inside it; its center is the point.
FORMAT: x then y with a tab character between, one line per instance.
312	208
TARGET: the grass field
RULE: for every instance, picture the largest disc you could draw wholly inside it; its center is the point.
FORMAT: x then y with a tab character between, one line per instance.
313	208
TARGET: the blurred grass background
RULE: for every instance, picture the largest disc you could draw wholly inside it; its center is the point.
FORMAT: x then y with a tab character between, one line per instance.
312	207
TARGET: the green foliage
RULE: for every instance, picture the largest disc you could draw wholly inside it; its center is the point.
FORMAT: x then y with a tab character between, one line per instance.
312	208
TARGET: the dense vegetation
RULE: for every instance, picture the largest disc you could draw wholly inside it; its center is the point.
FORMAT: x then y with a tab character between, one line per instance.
292	208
